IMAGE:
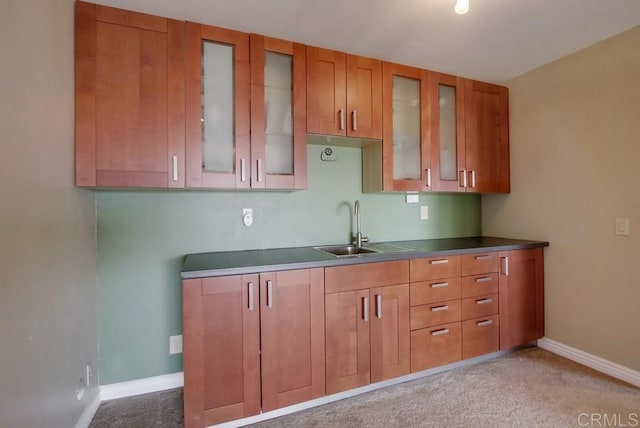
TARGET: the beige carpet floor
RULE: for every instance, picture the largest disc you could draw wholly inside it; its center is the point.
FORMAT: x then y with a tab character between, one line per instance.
529	388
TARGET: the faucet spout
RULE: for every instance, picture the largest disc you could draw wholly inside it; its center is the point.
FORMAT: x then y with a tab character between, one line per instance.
359	238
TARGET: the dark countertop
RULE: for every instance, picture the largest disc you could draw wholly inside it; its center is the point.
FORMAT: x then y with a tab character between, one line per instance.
222	263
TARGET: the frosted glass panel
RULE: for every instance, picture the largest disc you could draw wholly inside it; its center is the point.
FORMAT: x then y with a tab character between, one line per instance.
278	103
218	133
406	128
448	137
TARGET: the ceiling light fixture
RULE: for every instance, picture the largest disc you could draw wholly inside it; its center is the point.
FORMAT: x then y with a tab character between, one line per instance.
462	7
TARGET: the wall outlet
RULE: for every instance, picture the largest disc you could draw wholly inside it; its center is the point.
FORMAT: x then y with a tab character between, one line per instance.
412	198
424	212
622	226
175	344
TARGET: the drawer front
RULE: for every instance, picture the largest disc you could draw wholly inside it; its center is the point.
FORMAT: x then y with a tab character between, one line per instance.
435	313
479	285
477	263
436	346
434	268
365	275
480	336
436	290
479	306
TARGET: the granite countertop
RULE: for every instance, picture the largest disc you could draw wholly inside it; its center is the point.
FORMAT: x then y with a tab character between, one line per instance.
222	263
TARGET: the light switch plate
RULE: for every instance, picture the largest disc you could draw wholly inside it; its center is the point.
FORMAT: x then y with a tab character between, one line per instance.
412	198
424	212
622	226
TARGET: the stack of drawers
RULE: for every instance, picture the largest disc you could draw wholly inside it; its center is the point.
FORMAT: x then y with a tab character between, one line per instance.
454	308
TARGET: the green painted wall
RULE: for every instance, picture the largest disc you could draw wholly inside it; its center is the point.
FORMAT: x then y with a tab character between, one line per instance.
143	236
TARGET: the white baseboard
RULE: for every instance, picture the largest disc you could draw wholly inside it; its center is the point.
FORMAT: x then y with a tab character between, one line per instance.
600	364
141	386
89	412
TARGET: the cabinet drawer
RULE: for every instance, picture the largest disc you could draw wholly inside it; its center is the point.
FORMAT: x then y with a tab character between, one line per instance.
436	290
479	285
366	275
435	313
436	346
477	263
479	306
480	336
434	268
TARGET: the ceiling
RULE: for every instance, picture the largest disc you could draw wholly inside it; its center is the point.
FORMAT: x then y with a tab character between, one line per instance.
495	41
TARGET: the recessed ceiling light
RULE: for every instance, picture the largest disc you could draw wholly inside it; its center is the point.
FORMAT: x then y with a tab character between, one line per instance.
462	7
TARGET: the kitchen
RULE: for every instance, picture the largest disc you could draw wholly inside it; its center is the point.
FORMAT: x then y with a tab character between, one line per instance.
568	186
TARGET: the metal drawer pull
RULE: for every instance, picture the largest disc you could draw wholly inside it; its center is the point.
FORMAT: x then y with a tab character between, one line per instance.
483	257
439	308
483	279
354	120
473	179
270	294
259	170
175	168
505	264
439	284
243	170
379	305
440	332
483	301
462	173
251	296
341	111
439	262
365	308
428	177
483	323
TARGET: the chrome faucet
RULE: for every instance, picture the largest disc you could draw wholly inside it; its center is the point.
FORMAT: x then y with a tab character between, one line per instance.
359	238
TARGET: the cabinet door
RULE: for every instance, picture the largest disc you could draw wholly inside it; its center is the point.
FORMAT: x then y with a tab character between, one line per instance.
129	79
389	308
347	340
405	151
487	137
217	107
364	97
292	334
221	330
446	99
521	297
326	95
278	114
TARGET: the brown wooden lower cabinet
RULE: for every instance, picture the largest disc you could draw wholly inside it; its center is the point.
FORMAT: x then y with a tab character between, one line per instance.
229	321
480	336
435	346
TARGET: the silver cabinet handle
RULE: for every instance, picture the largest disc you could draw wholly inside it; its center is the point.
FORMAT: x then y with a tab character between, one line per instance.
462	174
175	168
483	279
428	171
251	296
483	323
473	178
243	170
483	301
365	308
440	308
505	266
379	305
439	284
483	257
439	262
354	120
440	332
269	294
259	170
341	112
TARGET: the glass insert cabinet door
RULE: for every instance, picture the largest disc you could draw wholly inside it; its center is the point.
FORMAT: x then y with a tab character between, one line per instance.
447	132
278	114
217	108
405	146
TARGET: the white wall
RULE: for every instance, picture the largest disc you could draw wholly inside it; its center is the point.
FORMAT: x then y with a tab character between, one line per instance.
575	167
47	226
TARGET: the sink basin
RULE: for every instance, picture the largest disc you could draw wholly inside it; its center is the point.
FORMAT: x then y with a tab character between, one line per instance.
345	250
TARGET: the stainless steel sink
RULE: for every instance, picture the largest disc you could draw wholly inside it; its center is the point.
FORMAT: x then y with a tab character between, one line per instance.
345	250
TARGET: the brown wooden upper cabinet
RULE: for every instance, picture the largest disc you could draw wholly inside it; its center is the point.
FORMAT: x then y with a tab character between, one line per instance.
129	85
344	94
406	160
245	110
